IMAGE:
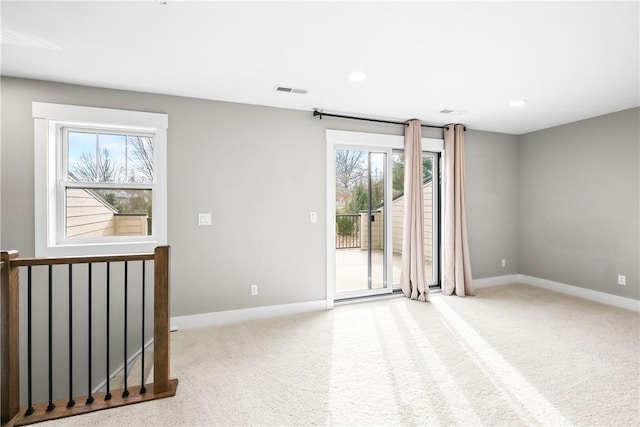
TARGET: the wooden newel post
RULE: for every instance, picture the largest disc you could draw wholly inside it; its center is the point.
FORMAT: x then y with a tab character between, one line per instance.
10	338
161	328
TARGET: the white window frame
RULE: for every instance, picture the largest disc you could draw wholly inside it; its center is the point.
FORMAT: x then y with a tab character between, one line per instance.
50	184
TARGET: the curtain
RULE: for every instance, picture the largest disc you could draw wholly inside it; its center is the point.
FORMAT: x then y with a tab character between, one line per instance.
412	279
456	275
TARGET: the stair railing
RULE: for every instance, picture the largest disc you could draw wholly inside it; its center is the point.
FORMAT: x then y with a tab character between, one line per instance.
11	413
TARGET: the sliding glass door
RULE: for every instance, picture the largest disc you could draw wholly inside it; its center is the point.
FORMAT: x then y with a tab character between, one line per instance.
430	192
365	213
360	222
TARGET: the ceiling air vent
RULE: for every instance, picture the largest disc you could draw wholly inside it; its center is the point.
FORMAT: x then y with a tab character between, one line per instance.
290	90
452	112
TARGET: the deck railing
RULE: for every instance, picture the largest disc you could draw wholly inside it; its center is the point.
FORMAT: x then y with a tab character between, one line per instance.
347	231
10	358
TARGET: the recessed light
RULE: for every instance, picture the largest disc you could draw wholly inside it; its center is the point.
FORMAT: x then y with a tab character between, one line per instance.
357	76
518	103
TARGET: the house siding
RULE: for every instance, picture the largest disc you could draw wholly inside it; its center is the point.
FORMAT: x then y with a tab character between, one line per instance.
87	216
398	215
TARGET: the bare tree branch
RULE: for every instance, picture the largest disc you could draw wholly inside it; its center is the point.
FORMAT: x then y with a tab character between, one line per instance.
142	153
348	167
96	170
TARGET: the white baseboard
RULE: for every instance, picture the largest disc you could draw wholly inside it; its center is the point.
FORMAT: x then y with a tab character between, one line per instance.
563	288
597	296
233	316
496	280
241	315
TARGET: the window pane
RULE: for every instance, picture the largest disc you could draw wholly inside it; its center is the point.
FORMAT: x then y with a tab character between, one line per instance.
397	208
398	212
429	204
109	157
140	159
112	158
108	212
81	156
360	220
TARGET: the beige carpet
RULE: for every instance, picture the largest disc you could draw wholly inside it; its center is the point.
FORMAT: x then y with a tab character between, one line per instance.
513	355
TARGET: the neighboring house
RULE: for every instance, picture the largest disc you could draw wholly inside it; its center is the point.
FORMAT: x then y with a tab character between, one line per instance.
397	207
90	215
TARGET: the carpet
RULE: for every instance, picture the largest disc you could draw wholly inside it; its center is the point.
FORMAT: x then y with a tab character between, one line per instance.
512	355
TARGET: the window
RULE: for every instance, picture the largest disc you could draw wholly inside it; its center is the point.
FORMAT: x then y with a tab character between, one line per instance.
100	180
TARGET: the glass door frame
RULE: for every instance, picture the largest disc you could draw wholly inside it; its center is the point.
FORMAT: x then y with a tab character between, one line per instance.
387	288
378	143
437	208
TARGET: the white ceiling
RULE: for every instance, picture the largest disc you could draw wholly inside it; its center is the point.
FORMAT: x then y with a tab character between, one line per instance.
570	60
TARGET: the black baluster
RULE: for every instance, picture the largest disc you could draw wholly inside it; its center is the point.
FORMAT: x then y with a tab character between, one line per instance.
89	397
51	405
30	409
143	389
125	392
108	395
71	402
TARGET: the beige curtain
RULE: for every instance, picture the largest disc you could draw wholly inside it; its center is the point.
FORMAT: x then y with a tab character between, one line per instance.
456	275
412	273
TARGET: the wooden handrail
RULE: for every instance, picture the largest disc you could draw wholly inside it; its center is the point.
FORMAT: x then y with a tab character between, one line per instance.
163	386
9	338
24	262
161	327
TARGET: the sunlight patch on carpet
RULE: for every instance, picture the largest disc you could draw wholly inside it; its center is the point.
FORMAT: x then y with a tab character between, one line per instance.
488	358
452	395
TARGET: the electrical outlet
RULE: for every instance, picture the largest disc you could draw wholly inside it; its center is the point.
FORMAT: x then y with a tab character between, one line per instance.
254	290
504	262
622	280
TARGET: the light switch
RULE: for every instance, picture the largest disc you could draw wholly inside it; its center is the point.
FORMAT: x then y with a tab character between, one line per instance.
204	219
313	217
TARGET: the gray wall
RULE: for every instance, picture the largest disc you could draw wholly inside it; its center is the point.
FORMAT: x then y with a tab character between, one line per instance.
259	171
491	167
579	207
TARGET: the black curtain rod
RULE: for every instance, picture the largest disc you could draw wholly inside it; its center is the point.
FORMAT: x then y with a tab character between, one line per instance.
340	116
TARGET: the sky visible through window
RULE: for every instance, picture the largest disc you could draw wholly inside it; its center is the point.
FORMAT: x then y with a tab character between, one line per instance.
113	159
110	157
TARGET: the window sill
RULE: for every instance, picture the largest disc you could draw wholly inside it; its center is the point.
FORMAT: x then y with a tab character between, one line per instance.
91	249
